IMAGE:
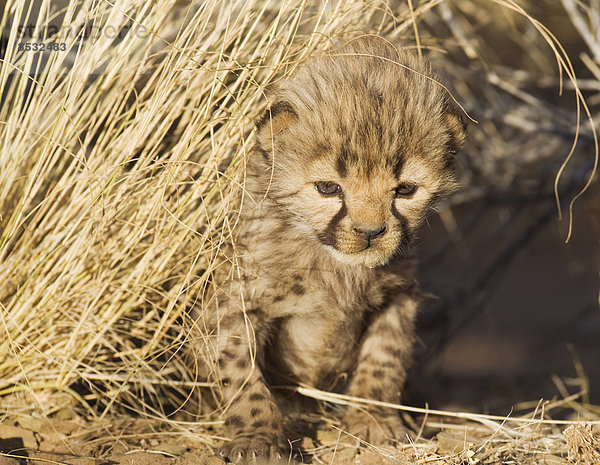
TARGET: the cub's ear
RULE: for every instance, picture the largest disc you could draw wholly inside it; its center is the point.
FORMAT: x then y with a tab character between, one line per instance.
276	118
456	128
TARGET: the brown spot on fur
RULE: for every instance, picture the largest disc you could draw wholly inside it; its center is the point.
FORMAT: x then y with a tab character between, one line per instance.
391	365
257	315
256	396
235	421
298	289
376	393
228	355
393	351
378	374
242	363
345	159
395	162
264	153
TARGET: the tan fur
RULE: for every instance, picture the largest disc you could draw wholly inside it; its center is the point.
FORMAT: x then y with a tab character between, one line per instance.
319	301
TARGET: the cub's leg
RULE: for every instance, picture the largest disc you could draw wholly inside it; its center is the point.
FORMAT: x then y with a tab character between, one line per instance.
253	419
384	357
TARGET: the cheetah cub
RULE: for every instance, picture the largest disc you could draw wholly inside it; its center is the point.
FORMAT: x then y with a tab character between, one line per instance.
355	149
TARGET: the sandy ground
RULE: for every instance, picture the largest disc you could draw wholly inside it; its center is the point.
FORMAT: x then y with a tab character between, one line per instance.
76	442
127	442
21	446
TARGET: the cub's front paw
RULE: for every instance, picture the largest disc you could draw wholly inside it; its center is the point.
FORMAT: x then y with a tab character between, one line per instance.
374	426
252	449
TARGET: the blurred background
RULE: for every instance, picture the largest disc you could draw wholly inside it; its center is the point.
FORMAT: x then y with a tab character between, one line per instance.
516	312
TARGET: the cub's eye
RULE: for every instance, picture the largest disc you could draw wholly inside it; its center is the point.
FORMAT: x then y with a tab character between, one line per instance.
405	189
328	188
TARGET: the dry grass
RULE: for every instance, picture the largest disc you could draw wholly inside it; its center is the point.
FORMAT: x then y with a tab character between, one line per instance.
122	161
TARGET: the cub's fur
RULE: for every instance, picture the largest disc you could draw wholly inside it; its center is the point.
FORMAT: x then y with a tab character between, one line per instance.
355	149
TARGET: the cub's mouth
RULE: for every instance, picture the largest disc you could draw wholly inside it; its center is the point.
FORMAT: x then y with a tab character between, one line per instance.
371	253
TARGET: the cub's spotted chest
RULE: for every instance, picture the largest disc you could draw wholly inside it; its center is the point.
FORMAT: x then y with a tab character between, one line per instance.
355	149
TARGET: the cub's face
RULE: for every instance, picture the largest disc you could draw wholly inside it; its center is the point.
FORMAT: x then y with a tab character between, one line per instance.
356	150
366	218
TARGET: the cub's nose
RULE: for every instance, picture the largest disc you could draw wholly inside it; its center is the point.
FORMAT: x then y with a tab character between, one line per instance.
370	234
